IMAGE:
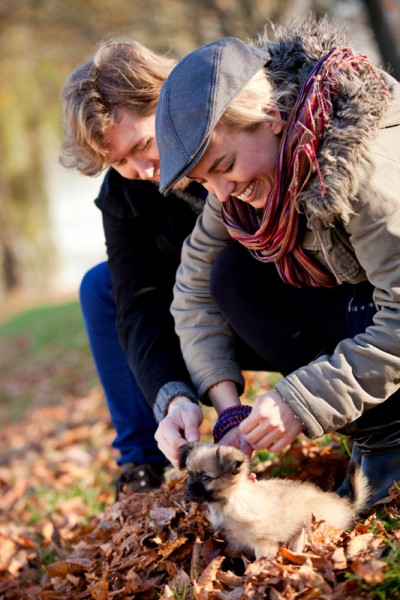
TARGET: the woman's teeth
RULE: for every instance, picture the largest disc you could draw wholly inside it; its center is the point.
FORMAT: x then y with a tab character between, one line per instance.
247	192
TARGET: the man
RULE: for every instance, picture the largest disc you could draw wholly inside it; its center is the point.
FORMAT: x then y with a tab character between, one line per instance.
109	122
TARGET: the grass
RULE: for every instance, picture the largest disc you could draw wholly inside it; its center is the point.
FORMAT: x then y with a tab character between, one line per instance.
54	329
388	588
44	356
51	500
389	521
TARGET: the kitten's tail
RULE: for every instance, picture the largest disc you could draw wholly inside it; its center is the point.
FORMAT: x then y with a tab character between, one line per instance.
361	490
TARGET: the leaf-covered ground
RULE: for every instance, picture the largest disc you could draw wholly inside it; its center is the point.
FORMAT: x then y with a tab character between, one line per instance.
62	536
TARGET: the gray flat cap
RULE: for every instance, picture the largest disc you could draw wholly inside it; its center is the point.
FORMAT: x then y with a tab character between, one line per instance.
193	99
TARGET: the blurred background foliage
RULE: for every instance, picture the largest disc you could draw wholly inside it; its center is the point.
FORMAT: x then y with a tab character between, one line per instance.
42	41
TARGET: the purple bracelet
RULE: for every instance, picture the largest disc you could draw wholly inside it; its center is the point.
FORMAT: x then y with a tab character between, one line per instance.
229	418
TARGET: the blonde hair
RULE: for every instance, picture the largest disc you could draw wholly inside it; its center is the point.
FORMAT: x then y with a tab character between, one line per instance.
121	74
250	107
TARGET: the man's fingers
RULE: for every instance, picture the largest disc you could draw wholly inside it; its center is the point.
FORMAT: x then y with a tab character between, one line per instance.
191	428
171	450
178	428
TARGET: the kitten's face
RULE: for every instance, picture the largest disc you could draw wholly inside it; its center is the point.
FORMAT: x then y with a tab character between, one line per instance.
212	471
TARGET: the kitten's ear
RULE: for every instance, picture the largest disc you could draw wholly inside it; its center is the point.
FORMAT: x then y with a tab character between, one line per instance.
184	452
229	460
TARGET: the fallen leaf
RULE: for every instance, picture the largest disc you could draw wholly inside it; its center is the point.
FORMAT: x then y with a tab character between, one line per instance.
299	558
361	544
205	584
339	559
371	571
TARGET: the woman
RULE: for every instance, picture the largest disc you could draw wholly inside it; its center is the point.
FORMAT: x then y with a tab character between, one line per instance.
298	140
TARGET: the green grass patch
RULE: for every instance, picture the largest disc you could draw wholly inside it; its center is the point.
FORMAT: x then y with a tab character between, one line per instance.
386	519
44	356
55	328
46	501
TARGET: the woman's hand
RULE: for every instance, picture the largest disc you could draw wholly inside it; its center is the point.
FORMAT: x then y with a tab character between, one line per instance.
179	427
272	424
234	437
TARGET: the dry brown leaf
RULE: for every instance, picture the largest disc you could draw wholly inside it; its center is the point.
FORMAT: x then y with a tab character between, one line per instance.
162	515
168	548
205	583
138	584
339	559
371	571
361	544
167	593
17	562
275	595
313	580
51	595
195	561
7	549
298	542
107	548
73	579
299	558
73	566
99	589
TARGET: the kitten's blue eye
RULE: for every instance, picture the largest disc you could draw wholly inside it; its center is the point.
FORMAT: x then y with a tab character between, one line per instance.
205	477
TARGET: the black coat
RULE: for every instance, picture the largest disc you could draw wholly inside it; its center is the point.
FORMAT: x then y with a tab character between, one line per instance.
144	232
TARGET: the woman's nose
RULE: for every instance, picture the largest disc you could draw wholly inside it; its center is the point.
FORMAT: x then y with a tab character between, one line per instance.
223	189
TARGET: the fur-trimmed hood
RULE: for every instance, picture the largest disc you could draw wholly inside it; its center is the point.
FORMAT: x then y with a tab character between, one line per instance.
360	103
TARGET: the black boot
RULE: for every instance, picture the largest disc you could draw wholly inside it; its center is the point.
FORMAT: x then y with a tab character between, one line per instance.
140	477
376	437
345	488
381	469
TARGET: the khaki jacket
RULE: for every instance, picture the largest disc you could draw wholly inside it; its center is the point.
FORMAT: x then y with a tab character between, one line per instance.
362	244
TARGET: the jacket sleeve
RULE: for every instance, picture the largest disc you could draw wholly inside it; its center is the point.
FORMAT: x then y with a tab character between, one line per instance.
144	236
206	338
365	370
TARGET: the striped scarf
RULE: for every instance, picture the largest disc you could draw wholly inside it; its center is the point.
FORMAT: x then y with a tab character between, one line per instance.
277	239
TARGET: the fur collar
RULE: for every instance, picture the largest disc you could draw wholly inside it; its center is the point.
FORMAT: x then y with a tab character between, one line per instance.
360	104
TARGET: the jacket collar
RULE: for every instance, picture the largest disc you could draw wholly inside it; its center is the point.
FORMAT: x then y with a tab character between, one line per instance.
360	111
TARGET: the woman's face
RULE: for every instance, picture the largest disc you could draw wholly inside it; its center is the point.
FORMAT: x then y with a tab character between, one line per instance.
132	148
240	163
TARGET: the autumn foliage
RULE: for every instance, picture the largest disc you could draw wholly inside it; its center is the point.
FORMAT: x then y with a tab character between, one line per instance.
155	545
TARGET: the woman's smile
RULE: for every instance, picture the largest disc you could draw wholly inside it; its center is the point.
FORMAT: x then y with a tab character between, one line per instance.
246	194
240	164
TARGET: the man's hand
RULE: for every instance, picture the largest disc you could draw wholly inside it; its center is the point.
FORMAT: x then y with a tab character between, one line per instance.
272	424
180	426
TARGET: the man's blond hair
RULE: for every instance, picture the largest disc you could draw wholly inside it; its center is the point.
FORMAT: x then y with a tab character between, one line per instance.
121	74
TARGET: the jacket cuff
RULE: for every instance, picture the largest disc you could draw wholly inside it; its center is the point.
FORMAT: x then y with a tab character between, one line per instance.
312	428
167	393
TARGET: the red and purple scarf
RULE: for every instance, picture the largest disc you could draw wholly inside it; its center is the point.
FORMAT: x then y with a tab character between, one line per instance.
277	239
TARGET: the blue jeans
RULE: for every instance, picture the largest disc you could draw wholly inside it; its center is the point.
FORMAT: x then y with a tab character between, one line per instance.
131	416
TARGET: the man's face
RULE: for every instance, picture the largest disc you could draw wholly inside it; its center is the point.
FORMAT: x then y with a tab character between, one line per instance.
132	148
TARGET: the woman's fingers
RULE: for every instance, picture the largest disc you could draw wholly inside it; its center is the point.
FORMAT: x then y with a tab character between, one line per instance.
272	424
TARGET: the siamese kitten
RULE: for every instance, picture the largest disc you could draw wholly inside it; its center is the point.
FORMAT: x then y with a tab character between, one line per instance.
260	516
